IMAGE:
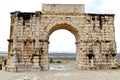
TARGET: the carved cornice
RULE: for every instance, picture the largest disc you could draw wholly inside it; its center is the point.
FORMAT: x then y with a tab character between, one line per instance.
42	40
10	40
38	13
30	40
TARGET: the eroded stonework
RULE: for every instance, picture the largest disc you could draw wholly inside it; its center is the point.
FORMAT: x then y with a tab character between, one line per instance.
29	35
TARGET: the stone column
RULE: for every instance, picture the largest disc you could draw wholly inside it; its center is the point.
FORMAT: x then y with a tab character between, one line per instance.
80	56
44	55
36	66
113	62
12	66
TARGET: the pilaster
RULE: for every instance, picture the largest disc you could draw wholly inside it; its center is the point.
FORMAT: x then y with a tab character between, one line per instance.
36	56
12	66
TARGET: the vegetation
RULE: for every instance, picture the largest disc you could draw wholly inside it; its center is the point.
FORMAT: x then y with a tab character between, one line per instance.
54	61
51	60
59	61
61	58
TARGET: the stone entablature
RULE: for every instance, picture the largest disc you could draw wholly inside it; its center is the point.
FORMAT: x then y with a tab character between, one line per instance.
30	31
63	8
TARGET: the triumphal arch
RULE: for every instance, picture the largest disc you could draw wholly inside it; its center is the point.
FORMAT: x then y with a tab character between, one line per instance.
30	31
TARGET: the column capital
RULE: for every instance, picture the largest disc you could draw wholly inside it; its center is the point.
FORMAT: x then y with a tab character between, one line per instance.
38	13
43	40
10	40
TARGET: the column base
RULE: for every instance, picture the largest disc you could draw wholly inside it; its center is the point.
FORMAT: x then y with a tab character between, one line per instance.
45	67
11	68
113	67
36	68
81	67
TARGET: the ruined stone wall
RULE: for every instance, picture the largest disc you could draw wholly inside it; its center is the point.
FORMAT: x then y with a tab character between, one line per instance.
23	42
89	29
29	35
24	35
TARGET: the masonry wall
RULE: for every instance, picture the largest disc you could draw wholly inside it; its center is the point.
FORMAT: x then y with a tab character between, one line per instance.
29	37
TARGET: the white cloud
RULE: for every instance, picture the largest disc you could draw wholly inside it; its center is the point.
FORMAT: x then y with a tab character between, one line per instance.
7	6
93	6
110	6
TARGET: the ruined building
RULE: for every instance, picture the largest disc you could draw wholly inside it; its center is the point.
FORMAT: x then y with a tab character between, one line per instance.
30	31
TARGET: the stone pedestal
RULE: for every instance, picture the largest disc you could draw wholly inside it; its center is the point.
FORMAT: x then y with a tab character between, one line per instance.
92	66
45	67
36	66
80	65
12	67
113	66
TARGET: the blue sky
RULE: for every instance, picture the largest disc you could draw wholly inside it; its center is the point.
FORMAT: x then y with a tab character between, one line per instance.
91	6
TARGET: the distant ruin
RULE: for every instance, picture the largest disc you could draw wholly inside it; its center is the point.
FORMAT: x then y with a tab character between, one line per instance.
30	31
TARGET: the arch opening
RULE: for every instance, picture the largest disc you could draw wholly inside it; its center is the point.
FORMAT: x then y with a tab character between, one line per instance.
62	47
62	41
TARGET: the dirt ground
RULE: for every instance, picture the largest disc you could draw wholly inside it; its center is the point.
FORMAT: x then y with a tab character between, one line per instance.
62	75
62	72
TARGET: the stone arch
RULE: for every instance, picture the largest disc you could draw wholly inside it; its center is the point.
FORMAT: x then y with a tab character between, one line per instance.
65	26
44	56
38	26
62	24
